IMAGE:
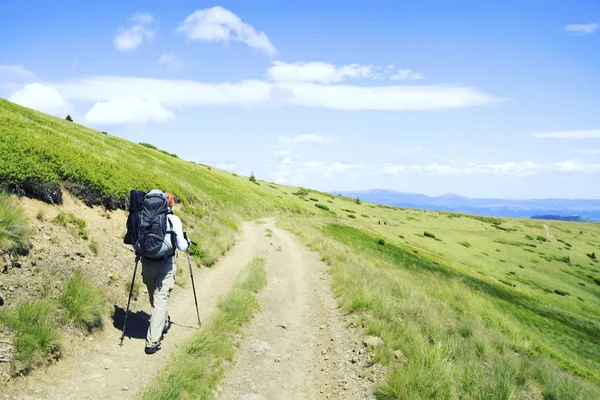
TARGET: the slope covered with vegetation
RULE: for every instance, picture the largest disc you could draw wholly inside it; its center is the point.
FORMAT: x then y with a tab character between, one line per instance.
467	306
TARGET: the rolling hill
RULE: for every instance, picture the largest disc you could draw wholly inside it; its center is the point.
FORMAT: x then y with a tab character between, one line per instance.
452	305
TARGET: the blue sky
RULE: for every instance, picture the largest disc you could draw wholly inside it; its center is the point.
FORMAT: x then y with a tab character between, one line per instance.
484	99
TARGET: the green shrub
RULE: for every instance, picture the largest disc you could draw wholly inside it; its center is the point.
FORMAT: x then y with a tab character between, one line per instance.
70	220
68	118
322	206
592	256
94	247
148	145
541	239
352	216
466	244
34	322
313	199
14	229
429	235
83	301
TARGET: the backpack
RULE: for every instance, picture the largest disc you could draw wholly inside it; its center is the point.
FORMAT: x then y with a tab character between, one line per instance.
148	225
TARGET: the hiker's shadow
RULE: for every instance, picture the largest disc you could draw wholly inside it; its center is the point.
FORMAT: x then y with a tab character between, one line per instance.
137	323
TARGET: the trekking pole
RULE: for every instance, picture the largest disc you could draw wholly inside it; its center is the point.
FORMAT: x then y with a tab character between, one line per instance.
192	276
137	258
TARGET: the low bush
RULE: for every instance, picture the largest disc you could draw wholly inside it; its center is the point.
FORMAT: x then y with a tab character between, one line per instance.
14	229
322	206
34	322
94	247
148	145
83	301
69	220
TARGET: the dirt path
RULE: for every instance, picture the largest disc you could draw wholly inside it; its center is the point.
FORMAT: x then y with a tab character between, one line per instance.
298	346
103	370
548	231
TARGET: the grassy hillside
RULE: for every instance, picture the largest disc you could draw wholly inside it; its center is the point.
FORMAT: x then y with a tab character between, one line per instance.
467	306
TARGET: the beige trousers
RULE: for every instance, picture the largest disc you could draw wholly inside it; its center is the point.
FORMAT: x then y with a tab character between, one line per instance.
159	278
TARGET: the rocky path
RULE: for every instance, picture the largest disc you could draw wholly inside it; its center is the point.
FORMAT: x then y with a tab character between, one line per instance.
299	345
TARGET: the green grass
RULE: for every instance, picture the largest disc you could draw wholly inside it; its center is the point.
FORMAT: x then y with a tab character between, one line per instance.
37	335
77	225
83	301
464	335
197	366
14	230
94	247
479	314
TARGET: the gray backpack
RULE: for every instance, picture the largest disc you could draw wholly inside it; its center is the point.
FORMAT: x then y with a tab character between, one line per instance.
155	236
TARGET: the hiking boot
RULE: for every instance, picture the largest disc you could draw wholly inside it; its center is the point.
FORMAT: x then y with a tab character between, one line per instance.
167	325
152	349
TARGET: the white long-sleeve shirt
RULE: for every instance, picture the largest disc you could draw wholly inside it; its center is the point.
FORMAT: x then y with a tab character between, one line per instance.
182	244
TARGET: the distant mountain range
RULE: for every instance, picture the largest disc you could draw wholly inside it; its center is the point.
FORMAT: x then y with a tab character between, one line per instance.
563	209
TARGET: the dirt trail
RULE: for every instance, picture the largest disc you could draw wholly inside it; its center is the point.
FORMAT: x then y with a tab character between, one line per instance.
103	370
298	346
548	231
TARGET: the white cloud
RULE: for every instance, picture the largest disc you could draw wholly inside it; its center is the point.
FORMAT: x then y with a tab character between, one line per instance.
581	134
171	61
297	174
42	98
507	169
304	139
129	39
320	72
582	29
185	93
590	151
218	24
226	167
402	74
128	110
347	97
166	58
11	73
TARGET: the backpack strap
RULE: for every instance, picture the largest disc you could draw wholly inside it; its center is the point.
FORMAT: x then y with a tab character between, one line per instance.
173	237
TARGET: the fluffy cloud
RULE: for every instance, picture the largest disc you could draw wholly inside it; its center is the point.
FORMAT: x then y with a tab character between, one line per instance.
218	24
128	110
582	29
304	139
319	72
581	134
402	74
129	39
42	98
507	169
296	174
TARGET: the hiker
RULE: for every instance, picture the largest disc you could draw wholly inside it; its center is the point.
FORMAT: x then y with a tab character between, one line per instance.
156	235
159	278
